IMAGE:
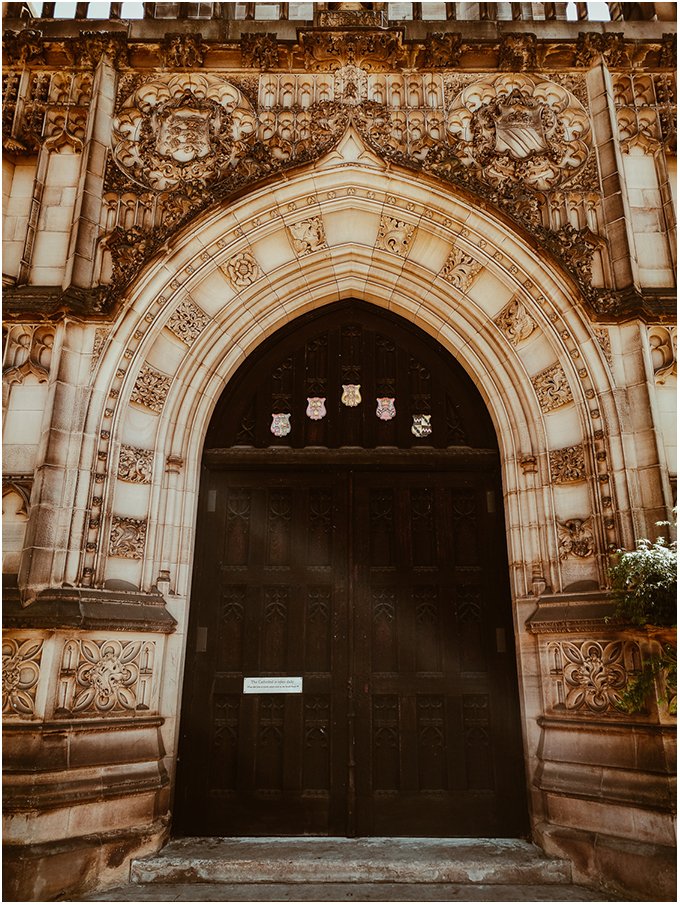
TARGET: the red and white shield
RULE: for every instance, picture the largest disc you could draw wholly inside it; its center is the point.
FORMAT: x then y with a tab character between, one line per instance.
385	410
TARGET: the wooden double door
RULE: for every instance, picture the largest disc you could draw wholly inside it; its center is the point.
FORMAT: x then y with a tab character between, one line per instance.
385	590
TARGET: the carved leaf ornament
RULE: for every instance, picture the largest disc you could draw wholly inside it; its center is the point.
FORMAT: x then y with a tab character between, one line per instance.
183	128
20	674
107	675
594	674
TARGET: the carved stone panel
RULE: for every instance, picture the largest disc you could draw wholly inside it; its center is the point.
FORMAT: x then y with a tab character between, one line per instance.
567	465
460	269
395	235
308	235
576	538
28	352
135	465
590	676
552	388
188	321
105	678
128	537
241	270
151	388
515	322
20	674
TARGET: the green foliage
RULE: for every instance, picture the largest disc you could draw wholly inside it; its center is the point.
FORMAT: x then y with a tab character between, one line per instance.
645	582
640	688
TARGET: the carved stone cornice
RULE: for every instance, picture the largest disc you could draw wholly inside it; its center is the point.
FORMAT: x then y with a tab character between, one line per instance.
51	303
573	613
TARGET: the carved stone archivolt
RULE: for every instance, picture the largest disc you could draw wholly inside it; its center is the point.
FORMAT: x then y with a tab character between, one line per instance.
568	465
105	678
592	675
188	321
28	353
575	538
515	322
151	388
460	269
135	466
128	537
520	128
552	388
183	129
395	235
20	674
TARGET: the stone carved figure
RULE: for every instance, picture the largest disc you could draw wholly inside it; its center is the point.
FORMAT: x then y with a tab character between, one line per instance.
184	128
259	51
575	538
460	269
183	51
515	322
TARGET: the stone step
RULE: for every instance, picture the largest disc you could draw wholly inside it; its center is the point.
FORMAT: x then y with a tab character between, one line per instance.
339	860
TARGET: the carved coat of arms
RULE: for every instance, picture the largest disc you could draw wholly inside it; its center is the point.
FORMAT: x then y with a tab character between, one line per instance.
386	409
351	394
316	407
281	424
421	426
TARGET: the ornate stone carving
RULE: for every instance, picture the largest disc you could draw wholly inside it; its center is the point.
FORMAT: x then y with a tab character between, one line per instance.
591	45
442	50
395	235
308	235
552	388
668	54
567	465
528	464
21	47
151	388
369	50
575	538
515	322
646	111
259	51
128	537
20	674
663	345
105	678
180	129
241	270
188	321
519	128
460	269
180	51
517	52
352	18
135	465
605	343
591	674
28	351
93	46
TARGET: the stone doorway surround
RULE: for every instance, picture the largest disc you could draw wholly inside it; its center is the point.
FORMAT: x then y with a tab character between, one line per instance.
115	509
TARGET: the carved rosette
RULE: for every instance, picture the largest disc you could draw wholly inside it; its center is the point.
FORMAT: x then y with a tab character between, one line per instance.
552	388
460	269
188	321
308	236
103	678
568	465
183	129
592	675
20	675
241	270
135	466
128	537
151	388
515	322
395	235
576	538
520	129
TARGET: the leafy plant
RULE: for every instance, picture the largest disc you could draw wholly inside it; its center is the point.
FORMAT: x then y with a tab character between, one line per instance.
645	582
639	688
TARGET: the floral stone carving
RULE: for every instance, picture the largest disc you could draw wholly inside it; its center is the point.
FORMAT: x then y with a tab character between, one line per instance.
575	538
308	235
20	674
151	388
188	321
521	129
460	269
567	465
515	322
241	270
128	536
135	465
104	677
182	129
592	674
552	388
395	235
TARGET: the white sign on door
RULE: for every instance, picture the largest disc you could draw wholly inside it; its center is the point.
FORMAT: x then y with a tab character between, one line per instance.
272	685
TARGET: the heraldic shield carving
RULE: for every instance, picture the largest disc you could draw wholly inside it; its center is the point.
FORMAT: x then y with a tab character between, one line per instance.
386	409
316	407
351	394
183	128
281	424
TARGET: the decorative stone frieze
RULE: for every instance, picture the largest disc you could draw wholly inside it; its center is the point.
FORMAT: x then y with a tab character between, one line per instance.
259	51
93	46
604	341
151	388
515	322
21	47
241	270
460	269
575	538
372	50
308	235
181	51
135	466
128	537
28	352
442	50
100	336
105	678
552	388
517	52
395	235
188	321
611	47
663	346
184	128
567	466
20	674
591	675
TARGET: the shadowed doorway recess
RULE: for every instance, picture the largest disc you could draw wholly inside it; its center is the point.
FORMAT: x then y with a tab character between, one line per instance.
351	536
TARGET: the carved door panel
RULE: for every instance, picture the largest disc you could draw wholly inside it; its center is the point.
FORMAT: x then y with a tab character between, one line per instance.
272	602
437	744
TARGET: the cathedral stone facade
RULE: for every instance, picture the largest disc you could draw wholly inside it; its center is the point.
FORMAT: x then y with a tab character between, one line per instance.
339	353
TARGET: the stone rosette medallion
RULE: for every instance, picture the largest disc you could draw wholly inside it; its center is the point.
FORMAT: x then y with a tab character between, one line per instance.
520	128
184	128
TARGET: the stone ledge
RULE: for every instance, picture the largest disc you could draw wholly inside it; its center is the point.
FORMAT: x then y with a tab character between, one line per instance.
582	611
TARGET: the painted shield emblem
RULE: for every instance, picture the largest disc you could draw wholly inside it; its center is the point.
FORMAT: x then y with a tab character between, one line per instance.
351	394
316	408
281	424
421	426
385	410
